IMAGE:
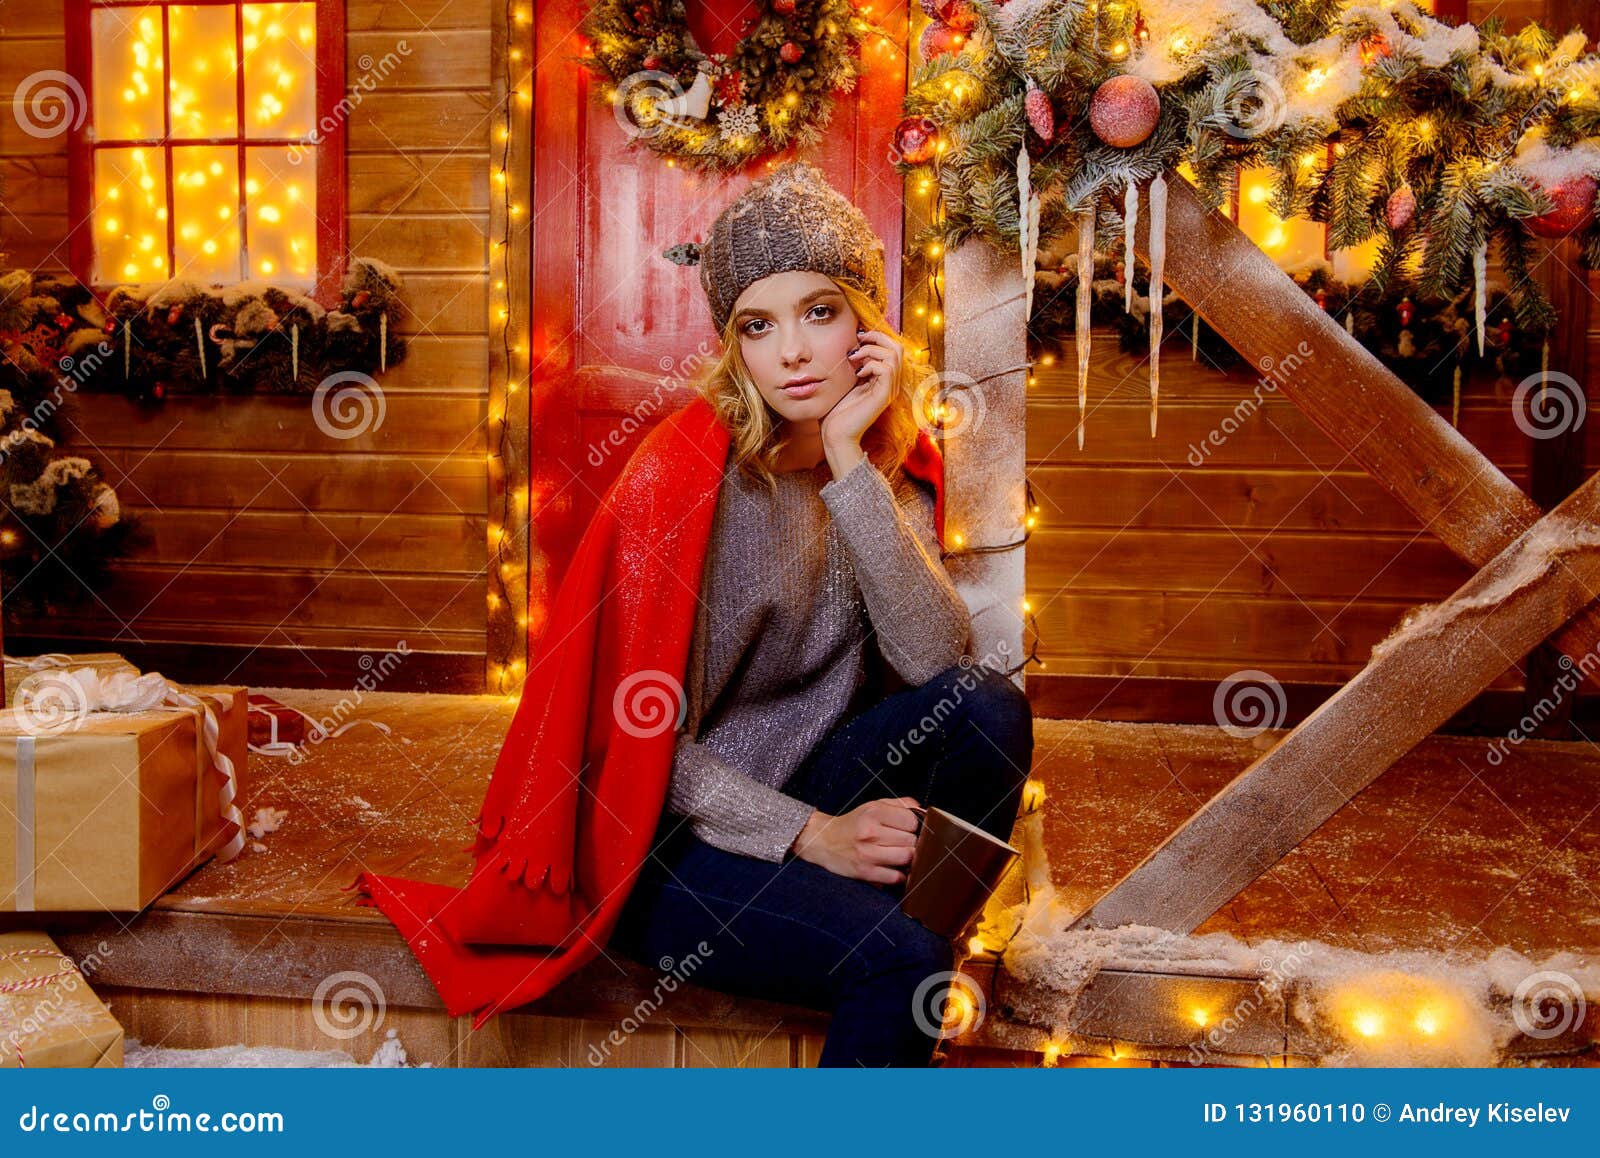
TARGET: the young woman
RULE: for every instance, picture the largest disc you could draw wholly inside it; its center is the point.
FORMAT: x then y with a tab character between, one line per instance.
830	687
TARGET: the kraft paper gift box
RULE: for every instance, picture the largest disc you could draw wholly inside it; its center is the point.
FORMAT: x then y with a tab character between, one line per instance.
49	1017
19	668
115	808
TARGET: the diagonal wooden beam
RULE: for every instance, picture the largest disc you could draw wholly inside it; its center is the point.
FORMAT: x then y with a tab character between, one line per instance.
1443	656
1445	481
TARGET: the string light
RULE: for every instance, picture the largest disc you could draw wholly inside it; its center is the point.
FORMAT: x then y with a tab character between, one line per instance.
505	669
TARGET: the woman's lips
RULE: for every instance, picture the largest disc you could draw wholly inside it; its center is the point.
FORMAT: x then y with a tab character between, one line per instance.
803	390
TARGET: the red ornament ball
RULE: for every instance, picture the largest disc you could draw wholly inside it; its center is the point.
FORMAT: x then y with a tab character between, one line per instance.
791	52
1124	111
1374	47
958	14
914	139
939	38
1400	208
783	7
652	62
1574	208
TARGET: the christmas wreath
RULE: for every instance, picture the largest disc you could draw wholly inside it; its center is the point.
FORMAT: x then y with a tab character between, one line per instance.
723	110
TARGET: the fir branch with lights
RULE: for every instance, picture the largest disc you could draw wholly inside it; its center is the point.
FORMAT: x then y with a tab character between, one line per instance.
177	337
1425	342
61	525
719	111
1429	141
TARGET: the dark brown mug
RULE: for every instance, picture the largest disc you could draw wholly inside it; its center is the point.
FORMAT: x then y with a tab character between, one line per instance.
954	868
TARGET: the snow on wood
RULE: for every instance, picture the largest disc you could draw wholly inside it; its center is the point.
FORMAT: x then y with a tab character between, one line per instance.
1438	660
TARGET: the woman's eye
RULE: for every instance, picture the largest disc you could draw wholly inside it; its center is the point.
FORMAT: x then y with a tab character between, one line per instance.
755	322
828	309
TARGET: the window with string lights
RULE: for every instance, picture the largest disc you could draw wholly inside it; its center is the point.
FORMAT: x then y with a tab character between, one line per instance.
213	150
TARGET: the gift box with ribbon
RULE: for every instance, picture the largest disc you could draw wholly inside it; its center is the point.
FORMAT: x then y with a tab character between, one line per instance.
275	725
113	793
19	668
49	1017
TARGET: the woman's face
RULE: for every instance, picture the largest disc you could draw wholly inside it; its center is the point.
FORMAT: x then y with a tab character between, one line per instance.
796	331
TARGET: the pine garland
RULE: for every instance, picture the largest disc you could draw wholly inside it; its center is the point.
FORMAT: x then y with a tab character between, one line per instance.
1347	103
1424	352
149	342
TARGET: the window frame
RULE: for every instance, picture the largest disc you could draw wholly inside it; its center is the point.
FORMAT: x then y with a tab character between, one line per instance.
332	229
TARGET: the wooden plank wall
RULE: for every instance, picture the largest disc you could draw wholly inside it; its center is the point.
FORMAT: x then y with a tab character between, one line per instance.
266	532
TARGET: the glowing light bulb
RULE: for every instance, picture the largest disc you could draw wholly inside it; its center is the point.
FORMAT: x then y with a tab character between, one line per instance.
1368	1023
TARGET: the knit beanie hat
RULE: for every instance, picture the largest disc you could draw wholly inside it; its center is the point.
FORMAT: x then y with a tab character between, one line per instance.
790	220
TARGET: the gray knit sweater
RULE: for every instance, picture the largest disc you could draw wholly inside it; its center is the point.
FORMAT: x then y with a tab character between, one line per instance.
807	593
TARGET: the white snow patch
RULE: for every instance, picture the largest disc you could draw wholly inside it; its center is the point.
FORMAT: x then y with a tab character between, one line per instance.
267	820
390	1054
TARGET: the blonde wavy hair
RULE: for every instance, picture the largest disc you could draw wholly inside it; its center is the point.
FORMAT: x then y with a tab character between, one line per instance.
756	444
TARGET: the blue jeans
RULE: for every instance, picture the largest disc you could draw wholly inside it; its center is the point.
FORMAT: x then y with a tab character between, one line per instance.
797	933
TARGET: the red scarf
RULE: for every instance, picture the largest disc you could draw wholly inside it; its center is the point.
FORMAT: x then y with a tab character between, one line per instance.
558	853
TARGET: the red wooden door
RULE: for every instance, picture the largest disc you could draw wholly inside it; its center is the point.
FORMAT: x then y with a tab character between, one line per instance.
616	327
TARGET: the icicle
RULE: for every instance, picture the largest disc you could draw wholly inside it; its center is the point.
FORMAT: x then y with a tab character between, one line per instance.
1194	337
294	350
1350	323
1028	203
1024	187
1158	273
127	350
1080	333
383	341
200	344
1455	397
1130	219
1480	298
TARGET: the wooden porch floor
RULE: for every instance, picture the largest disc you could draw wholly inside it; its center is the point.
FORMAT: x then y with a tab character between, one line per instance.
1444	851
